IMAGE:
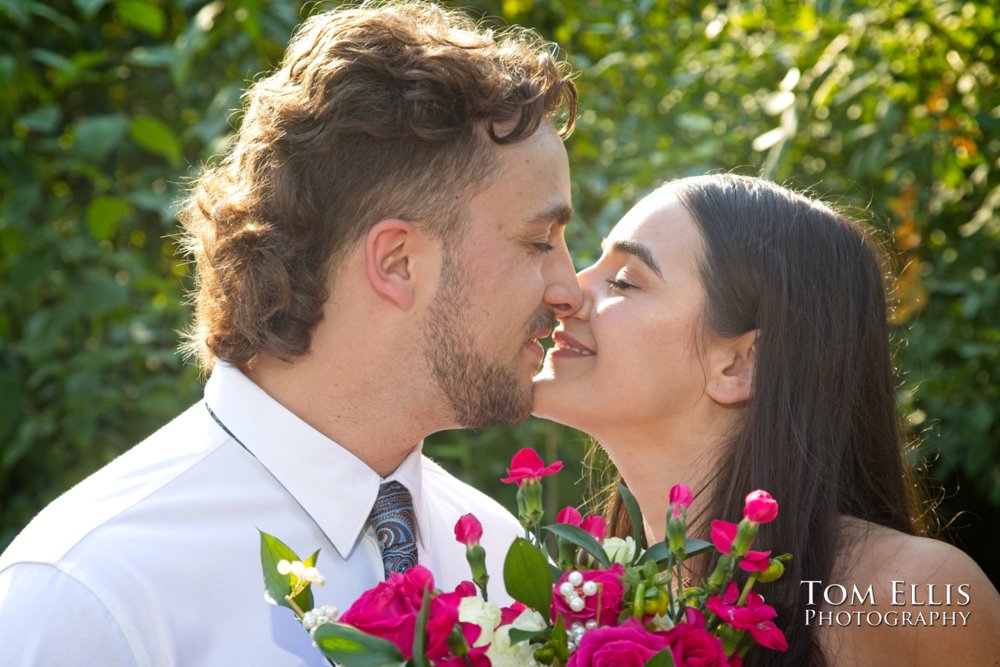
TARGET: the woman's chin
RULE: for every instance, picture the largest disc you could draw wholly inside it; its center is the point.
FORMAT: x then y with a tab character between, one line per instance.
551	400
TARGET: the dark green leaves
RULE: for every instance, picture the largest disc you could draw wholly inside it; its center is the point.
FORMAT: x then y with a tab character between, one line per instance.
662	659
527	577
580	538
634	513
353	648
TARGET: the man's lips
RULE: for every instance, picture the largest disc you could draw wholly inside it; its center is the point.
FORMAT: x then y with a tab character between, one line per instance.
533	343
566	345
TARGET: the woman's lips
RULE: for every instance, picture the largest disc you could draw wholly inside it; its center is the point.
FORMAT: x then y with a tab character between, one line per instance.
567	346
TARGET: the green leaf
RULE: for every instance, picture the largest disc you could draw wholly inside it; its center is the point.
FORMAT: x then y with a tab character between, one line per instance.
43	119
517	635
277	585
103	216
420	632
634	513
156	137
143	15
557	640
98	135
11	385
526	575
693	547
656	553
350	647
662	659
89	8
659	551
580	538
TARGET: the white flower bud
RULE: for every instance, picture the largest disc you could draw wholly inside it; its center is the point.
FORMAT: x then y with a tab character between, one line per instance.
284	567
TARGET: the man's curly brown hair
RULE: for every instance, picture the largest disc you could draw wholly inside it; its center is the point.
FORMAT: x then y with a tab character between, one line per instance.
377	111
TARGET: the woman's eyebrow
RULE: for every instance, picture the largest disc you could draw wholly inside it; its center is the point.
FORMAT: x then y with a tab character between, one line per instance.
636	249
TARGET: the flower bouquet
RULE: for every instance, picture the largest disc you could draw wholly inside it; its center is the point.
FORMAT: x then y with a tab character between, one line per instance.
581	598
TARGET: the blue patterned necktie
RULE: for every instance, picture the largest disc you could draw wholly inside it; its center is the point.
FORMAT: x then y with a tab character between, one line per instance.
393	521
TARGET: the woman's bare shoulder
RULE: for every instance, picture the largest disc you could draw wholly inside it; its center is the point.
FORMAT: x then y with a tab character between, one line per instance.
903	599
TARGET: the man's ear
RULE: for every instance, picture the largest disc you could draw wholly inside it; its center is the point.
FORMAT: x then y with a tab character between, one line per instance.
389	260
733	363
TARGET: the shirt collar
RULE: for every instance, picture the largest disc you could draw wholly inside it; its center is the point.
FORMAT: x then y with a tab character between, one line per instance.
336	488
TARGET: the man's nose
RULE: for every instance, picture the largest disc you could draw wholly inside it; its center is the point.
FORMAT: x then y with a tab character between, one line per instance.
562	290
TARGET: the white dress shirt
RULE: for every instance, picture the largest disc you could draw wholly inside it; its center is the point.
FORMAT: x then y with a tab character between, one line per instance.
155	559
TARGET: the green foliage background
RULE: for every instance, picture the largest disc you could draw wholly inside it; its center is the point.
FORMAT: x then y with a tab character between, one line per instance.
107	107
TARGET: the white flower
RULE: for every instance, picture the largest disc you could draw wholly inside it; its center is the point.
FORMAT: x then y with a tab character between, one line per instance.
284	567
620	550
502	654
486	615
312	575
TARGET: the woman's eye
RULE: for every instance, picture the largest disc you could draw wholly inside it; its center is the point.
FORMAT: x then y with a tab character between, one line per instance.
617	284
544	247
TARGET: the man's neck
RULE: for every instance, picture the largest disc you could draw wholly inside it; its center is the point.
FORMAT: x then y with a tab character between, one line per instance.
364	415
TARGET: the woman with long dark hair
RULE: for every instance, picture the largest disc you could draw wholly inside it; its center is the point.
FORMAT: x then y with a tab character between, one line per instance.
734	336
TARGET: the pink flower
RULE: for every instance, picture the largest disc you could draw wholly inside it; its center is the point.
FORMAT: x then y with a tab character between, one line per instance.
596	526
609	593
756	561
760	507
694	646
390	611
723	535
755	617
527	465
569	515
509	614
476	657
627	645
680	495
468	530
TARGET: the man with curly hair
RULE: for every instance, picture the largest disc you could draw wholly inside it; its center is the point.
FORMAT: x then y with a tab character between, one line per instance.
378	254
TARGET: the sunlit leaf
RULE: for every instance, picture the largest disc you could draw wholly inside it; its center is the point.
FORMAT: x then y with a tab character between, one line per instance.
103	216
143	15
156	137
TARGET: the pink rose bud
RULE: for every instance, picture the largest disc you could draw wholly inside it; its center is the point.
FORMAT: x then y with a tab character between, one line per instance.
596	526
569	515
760	507
680	495
468	530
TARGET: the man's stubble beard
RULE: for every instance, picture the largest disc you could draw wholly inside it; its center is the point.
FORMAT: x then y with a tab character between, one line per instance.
481	391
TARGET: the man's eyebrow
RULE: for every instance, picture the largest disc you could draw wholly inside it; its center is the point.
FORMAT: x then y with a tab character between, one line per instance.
558	214
636	249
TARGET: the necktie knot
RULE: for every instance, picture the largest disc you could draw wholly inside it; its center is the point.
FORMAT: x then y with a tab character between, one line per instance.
393	520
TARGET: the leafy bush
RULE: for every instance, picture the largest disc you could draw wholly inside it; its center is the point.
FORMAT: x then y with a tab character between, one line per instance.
109	106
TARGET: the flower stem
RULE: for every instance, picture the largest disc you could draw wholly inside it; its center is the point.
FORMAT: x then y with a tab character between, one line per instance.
746	590
298	610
